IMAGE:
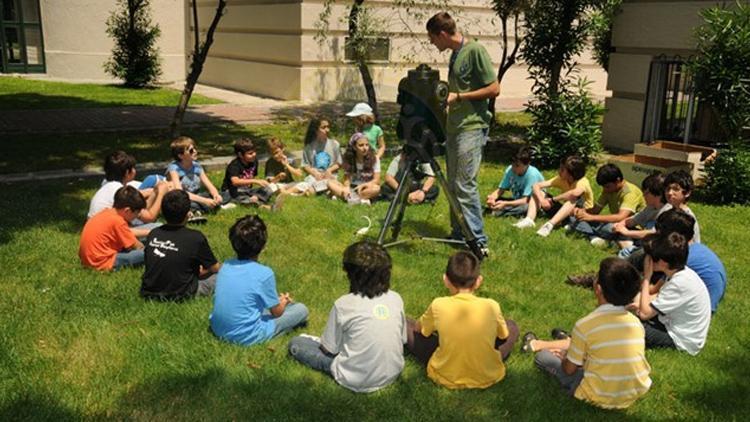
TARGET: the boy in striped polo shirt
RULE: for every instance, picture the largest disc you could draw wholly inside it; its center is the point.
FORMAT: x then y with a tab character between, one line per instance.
604	361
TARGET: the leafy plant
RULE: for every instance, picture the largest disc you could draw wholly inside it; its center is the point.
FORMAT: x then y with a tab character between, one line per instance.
135	58
728	177
601	30
564	125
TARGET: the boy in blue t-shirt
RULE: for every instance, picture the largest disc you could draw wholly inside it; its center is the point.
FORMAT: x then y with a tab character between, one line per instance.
247	307
519	178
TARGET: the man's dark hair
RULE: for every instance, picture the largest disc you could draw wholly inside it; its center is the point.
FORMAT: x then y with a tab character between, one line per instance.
243	145
523	156
676	221
129	197
671	248
463	269
619	281
117	164
368	267
248	236
608	173
441	21
654	184
574	165
682	178
175	206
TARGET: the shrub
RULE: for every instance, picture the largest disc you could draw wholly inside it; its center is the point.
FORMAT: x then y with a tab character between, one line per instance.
728	177
135	59
565	125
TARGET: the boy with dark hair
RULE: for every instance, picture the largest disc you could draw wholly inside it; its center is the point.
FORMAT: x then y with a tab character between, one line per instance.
186	173
678	186
247	308
106	240
681	302
604	362
362	346
119	170
179	260
621	197
241	178
574	188
422	187
642	223
472	339
520	178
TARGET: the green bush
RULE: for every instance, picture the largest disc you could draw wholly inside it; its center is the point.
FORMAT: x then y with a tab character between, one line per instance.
728	178
135	59
565	125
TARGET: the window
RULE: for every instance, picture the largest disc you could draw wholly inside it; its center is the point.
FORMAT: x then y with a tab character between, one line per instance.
21	43
378	50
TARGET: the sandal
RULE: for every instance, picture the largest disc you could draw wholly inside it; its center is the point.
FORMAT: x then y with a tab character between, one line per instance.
559	334
526	345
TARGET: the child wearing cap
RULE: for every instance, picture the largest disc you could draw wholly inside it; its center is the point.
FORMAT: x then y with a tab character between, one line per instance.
364	120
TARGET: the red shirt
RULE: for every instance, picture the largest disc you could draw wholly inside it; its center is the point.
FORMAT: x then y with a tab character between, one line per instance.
103	236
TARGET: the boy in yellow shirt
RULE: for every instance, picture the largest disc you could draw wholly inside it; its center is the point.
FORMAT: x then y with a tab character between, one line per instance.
473	337
604	361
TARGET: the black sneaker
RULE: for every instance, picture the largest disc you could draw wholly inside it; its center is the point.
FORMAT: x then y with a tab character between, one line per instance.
559	334
583	280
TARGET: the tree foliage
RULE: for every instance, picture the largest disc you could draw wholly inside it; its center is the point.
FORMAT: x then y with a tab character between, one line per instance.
135	58
602	19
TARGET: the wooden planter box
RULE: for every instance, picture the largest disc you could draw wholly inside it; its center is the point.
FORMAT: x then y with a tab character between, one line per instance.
693	154
636	167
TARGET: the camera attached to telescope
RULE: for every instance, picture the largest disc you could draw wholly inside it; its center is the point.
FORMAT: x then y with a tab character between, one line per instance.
423	98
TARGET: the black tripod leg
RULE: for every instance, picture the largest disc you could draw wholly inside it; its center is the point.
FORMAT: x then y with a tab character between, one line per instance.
458	214
398	199
406	183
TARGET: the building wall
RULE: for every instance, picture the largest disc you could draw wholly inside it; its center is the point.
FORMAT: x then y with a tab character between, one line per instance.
270	48
76	44
644	30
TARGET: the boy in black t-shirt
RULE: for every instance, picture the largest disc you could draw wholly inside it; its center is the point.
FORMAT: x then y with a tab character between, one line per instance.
241	179
179	261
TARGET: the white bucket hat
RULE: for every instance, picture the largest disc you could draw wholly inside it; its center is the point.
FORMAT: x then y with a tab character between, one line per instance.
360	109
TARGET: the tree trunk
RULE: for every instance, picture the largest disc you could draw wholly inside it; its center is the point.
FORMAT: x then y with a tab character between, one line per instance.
196	67
566	19
361	60
508	59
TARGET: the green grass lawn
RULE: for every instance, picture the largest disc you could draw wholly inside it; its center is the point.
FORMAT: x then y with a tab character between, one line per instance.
25	94
79	344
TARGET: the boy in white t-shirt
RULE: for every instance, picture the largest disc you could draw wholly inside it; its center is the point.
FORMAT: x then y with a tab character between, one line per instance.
362	345
676	312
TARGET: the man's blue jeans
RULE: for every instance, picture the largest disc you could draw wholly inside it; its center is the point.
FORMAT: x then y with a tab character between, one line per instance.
463	156
307	351
295	314
130	258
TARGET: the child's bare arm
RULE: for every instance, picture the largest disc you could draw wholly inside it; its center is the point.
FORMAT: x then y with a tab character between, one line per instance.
210	186
284	300
381	147
645	310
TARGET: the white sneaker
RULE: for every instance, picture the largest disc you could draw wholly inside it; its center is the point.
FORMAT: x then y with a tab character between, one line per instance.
599	242
229	206
568	227
525	223
545	230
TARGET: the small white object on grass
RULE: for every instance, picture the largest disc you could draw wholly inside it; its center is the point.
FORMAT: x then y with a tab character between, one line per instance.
363	231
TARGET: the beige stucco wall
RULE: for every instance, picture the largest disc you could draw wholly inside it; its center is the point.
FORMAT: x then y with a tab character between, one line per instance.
643	31
269	48
76	44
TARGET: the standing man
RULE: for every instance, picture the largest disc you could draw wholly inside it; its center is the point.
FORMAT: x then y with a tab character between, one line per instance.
471	82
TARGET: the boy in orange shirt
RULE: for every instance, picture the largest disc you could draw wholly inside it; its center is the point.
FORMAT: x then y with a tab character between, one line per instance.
106	241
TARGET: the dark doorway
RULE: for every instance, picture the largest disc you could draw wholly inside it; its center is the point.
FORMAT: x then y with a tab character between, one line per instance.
21	37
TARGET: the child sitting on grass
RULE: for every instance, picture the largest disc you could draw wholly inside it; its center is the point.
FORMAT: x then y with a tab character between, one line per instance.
279	170
520	178
119	170
362	346
473	339
678	186
642	223
321	156
106	240
361	172
179	260
604	362
621	197
676	312
242	182
574	188
422	187
186	173
364	121
247	308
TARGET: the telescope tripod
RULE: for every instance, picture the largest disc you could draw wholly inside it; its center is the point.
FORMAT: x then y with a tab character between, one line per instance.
397	208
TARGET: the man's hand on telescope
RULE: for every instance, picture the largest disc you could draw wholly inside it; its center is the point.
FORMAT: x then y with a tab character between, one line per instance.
453	97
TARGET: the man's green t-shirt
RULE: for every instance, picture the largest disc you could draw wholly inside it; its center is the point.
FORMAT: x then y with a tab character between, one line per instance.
471	70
